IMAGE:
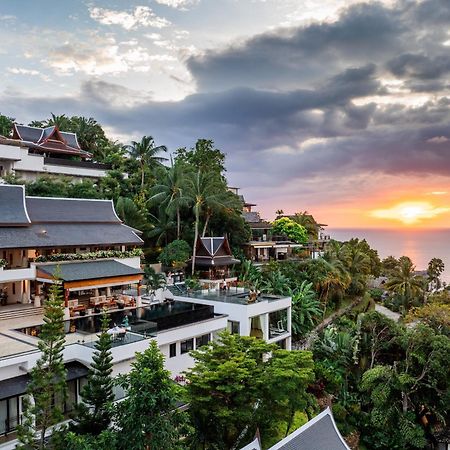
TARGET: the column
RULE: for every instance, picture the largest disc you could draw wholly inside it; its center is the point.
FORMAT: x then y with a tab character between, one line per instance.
138	297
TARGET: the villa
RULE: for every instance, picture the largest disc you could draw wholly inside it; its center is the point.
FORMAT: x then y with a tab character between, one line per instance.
32	152
96	259
263	245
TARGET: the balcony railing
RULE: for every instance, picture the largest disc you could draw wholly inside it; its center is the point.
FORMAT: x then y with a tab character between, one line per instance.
72	163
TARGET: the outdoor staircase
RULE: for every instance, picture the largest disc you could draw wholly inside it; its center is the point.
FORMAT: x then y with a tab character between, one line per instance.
28	311
178	289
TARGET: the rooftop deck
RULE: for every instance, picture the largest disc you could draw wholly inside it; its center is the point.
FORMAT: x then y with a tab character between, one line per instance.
234	295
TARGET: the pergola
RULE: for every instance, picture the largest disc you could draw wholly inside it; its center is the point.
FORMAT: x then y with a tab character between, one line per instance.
77	276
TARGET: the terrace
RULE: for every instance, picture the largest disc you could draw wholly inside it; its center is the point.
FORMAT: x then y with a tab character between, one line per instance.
139	323
234	295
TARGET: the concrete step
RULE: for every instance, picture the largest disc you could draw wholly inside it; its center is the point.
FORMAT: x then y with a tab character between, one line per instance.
21	312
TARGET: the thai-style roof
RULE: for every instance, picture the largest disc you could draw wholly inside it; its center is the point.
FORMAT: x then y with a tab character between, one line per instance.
87	270
49	140
320	433
57	210
214	251
35	222
13	211
251	217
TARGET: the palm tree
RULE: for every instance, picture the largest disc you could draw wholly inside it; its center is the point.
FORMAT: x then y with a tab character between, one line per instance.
274	282
405	283
204	190
305	309
225	201
357	263
147	154
435	268
153	280
307	220
128	212
163	228
171	193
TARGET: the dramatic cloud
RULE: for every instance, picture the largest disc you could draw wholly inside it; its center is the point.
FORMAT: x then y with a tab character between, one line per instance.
141	16
352	108
103	56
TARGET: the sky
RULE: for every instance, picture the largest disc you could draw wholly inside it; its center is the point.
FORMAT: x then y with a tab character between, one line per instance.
337	107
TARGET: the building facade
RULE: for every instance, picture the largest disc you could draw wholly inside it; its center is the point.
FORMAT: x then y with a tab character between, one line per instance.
33	152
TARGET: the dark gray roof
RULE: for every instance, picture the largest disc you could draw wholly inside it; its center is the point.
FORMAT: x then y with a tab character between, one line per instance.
202	261
12	387
89	270
212	244
71	139
251	216
319	433
12	207
47	209
59	222
31	134
67	235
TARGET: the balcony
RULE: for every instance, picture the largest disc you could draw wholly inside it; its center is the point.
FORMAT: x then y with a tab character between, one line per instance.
17	274
73	163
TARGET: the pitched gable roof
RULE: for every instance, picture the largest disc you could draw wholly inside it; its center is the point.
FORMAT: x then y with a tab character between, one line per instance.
46	222
13	211
320	433
49	139
214	251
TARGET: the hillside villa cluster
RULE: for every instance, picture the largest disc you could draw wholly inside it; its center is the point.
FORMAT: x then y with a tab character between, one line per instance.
97	260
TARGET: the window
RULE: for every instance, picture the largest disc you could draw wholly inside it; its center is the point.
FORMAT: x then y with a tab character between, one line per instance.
187	346
173	350
202	340
233	327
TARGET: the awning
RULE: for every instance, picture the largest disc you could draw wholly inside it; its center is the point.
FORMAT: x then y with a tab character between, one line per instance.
13	387
89	273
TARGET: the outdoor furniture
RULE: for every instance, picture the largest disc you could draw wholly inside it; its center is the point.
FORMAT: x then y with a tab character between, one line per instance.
127	300
117	333
97	301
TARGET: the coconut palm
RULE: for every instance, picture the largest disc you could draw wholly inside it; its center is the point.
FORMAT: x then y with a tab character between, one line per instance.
434	271
153	280
404	282
163	228
170	193
357	264
307	220
306	309
128	211
274	282
204	190
147	154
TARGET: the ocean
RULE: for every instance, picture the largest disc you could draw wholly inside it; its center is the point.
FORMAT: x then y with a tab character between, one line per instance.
420	245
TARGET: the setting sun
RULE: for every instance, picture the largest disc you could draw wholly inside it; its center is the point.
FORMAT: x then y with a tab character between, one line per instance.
410	213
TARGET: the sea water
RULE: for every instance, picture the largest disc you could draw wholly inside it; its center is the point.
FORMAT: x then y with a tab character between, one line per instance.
420	245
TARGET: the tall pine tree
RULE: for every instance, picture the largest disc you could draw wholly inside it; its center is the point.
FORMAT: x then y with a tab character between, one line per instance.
94	413
46	392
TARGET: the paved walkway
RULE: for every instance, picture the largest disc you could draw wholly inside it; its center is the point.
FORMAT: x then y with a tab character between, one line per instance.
387	312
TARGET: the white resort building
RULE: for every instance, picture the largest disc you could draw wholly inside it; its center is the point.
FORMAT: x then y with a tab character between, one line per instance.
97	260
32	152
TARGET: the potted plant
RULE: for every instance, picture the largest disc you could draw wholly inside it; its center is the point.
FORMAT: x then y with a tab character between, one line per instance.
3	263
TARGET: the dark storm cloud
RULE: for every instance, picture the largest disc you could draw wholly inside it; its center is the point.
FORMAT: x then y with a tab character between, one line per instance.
286	105
294	57
420	66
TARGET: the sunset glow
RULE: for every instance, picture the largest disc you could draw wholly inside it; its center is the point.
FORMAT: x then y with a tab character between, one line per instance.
410	213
